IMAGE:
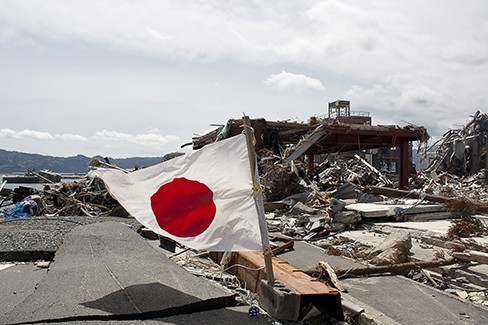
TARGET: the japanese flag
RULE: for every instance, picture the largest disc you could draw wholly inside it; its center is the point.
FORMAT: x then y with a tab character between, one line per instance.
203	200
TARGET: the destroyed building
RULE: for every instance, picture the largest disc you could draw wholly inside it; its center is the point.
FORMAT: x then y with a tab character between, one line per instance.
338	133
464	151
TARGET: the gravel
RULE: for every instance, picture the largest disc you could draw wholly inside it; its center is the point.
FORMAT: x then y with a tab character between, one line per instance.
44	233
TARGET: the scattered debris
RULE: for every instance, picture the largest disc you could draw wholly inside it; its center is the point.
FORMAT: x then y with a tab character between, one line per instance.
466	227
328	275
279	182
479	257
314	194
25	209
394	249
464	151
400	268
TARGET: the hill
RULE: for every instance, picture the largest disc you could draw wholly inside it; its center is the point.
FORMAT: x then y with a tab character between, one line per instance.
13	161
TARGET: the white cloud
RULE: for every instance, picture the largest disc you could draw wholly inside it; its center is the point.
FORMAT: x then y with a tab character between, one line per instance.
407	60
70	137
291	81
401	103
39	135
31	134
361	39
25	134
308	32
114	143
152	139
8	33
154	130
8	133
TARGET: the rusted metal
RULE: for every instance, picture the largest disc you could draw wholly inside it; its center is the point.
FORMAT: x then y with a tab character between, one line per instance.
249	267
404	164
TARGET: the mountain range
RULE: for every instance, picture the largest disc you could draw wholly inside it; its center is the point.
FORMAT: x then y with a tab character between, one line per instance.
13	162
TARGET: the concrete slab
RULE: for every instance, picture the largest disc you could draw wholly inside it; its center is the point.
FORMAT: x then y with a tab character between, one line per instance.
17	282
105	272
418	250
435	227
439	227
231	316
412	303
32	239
307	256
378	210
369	238
225	316
397	298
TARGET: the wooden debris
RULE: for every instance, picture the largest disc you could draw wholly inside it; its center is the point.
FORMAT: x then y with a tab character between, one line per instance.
466	227
279	182
382	177
95	162
479	257
394	249
287	244
478	207
401	268
328	271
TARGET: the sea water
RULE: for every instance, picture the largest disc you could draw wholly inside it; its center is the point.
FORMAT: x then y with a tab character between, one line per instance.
38	186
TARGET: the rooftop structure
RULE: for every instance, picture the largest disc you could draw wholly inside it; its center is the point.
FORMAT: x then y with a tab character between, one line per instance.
340	110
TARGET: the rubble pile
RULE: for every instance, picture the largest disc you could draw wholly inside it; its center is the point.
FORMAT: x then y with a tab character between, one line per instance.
342	246
341	200
466	227
352	171
464	151
83	197
280	181
445	184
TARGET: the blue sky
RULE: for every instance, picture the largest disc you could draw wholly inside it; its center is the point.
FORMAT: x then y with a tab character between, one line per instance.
140	78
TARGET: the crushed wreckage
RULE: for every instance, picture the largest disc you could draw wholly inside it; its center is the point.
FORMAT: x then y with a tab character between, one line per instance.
320	186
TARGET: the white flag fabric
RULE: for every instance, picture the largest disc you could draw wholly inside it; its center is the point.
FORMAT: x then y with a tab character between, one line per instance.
203	200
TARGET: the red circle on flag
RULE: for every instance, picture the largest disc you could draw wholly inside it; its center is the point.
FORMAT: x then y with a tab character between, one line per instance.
183	207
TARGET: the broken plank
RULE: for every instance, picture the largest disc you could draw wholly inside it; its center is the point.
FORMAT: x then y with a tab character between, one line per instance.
394	268
476	256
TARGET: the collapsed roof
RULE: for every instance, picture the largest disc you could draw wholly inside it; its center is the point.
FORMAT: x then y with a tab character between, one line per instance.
291	139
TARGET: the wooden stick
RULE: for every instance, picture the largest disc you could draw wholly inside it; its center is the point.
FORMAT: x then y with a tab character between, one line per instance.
406	194
287	245
479	257
394	268
74	200
267	253
393	192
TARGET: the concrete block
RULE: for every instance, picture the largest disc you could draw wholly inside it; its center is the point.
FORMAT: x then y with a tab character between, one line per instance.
279	301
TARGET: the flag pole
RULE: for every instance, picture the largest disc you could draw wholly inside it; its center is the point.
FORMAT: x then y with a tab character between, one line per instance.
258	199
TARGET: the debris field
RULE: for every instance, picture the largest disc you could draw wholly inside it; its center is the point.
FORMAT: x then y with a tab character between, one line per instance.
322	188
